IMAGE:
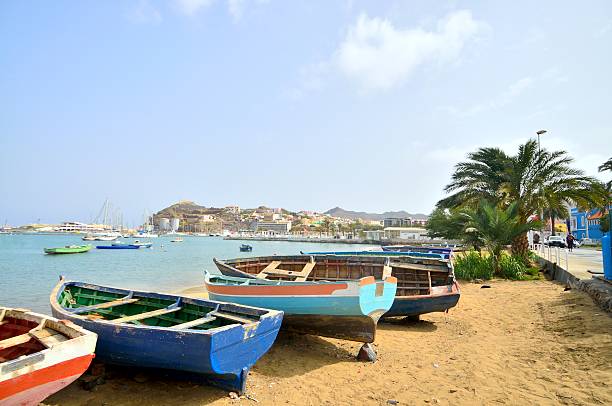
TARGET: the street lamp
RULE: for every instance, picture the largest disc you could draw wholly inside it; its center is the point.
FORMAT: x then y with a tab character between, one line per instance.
540	132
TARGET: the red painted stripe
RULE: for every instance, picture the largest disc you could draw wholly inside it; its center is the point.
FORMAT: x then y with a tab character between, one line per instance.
65	369
287	290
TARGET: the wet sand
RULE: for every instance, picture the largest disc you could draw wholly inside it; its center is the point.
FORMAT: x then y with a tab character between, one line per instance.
515	343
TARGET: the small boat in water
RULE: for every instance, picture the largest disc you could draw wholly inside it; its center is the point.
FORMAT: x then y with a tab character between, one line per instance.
424	285
216	341
68	249
246	248
142	244
40	355
177	239
314	301
381	254
118	246
424	249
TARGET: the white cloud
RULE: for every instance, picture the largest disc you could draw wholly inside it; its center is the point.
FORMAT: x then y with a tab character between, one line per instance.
144	12
236	8
379	55
191	7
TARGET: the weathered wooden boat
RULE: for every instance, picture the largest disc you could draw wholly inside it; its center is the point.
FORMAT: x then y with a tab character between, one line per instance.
39	355
218	342
68	249
424	285
246	248
381	253
445	251
347	310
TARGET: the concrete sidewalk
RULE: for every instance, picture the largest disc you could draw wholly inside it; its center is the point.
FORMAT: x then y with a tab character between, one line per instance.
572	269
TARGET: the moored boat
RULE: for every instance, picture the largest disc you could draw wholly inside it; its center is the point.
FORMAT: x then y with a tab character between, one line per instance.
246	248
347	310
381	253
177	239
118	246
217	341
68	249
39	355
424	285
142	244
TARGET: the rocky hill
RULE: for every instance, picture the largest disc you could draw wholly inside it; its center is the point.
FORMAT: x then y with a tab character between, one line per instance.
353	215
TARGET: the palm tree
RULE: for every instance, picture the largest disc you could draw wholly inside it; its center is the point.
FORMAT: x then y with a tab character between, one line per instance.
497	227
533	179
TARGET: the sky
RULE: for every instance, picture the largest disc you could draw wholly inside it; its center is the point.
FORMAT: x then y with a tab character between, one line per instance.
305	105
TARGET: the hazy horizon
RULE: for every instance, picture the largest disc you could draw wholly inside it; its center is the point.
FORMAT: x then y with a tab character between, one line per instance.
365	105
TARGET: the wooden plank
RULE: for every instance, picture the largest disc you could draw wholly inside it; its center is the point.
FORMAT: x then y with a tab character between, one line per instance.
49	337
272	265
306	271
194	323
232	317
282	272
104	305
387	271
14	341
146	315
417	267
429	277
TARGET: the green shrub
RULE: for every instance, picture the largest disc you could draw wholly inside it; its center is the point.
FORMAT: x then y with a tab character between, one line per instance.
473	266
512	267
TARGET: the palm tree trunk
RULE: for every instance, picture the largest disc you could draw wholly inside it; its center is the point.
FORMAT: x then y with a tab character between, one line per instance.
520	246
552	224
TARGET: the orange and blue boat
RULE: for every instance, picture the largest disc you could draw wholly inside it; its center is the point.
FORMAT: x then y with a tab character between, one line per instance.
313	304
425	283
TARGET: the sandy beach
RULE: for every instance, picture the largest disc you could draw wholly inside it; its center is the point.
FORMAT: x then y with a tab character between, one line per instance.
514	343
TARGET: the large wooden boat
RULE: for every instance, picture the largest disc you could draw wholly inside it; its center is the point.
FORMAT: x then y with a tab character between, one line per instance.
219	342
39	355
68	249
344	309
424	285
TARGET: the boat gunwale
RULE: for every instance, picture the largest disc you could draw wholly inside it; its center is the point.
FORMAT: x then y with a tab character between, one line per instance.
62	284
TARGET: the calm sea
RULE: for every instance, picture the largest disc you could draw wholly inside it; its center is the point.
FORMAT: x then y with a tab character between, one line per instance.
27	275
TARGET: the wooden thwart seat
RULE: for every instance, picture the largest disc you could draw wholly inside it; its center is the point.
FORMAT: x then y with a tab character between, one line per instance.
268	269
194	323
305	272
146	315
48	337
105	305
22	338
232	317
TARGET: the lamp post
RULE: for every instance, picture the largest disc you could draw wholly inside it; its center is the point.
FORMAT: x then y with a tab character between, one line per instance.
541	132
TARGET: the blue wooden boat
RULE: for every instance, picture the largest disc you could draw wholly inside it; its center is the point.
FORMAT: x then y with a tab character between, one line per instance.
424	285
347	310
246	248
218	342
445	251
118	246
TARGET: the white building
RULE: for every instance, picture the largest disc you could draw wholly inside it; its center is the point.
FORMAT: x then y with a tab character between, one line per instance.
233	209
406	233
76	227
164	224
279	227
374	235
174	224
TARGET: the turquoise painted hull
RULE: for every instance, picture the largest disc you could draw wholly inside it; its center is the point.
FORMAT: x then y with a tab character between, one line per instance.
347	309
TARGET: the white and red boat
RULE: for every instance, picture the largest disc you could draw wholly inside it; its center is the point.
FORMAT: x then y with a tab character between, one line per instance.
39	355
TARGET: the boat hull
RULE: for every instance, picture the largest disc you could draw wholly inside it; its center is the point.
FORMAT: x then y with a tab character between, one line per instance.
27	377
118	247
347	310
66	250
441	300
220	356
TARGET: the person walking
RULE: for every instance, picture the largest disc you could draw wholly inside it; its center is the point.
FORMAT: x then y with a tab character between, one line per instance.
570	241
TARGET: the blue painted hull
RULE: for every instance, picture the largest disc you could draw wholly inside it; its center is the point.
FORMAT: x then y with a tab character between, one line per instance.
417	305
118	247
221	356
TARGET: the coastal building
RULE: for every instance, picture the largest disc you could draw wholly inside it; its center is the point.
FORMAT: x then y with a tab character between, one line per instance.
374	235
174	224
405	233
397	222
278	227
164	224
76	227
585	224
233	209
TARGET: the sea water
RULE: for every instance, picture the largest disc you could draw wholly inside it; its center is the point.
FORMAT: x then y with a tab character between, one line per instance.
27	275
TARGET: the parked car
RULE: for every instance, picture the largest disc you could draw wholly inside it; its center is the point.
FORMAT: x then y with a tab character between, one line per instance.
555	241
